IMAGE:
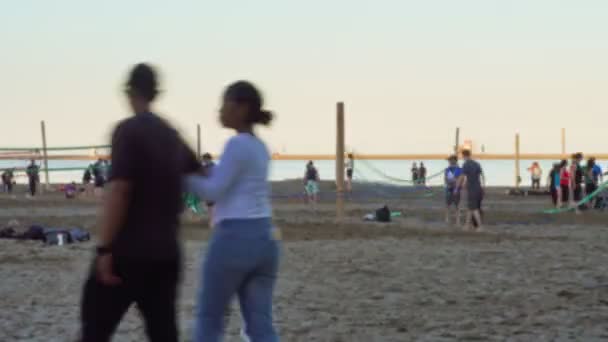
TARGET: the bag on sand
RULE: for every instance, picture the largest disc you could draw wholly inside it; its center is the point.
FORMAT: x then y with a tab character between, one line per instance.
79	235
65	236
7	233
57	237
33	233
383	214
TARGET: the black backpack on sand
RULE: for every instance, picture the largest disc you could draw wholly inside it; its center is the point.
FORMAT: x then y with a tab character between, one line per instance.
383	214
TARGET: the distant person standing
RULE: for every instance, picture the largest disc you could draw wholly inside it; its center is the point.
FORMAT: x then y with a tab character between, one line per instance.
207	163
536	174
564	181
422	174
598	178
576	180
33	176
105	170
311	183
414	172
98	177
597	171
87	178
472	176
350	170
554	185
208	166
7	180
138	257
591	181
452	195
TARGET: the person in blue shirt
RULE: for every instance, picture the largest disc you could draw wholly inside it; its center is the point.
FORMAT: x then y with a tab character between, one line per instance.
594	177
598	174
452	195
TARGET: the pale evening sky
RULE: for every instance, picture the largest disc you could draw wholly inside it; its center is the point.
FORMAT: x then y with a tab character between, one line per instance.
408	71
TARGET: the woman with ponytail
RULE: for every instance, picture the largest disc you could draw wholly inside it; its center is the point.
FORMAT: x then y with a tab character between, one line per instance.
243	253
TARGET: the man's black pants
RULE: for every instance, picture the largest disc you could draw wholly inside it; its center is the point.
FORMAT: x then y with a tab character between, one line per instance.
151	285
32	187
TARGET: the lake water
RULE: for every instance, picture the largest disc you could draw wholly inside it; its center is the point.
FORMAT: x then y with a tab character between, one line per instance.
497	172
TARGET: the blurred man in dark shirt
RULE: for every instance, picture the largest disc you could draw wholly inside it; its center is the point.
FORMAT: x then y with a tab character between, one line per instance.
472	177
138	256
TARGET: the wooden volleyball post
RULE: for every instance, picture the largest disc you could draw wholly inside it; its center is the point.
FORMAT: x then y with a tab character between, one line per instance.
340	161
198	140
563	142
517	175
45	155
457	142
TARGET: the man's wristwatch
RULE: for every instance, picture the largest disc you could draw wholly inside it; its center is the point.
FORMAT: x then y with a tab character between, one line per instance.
103	250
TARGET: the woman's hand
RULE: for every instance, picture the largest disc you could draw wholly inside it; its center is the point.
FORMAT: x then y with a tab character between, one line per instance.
105	272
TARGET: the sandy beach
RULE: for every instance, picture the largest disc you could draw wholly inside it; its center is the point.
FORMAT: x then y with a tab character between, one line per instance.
528	277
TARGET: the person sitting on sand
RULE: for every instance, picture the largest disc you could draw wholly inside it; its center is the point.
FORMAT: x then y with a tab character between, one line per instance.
350	170
452	195
71	190
472	176
554	185
311	183
536	174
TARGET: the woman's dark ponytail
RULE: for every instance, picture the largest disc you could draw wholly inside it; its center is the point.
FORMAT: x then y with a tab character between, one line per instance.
264	117
246	93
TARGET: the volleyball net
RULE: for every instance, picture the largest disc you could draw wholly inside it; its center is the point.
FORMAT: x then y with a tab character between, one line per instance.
65	163
37	152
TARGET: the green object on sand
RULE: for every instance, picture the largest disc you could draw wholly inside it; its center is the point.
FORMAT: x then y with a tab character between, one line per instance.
584	201
193	203
395	213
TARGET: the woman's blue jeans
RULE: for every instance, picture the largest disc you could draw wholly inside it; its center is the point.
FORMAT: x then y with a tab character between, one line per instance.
242	259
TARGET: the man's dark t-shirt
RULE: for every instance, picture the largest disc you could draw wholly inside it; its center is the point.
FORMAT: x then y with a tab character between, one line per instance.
33	172
149	154
472	170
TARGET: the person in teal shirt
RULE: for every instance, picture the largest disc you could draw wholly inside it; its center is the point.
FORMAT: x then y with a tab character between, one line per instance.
33	175
553	182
